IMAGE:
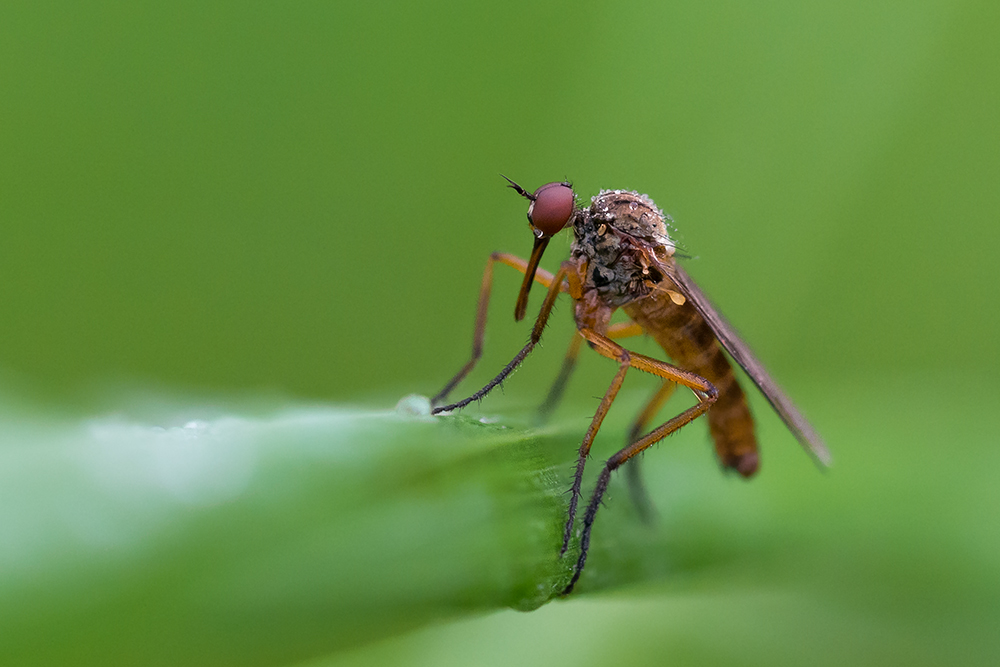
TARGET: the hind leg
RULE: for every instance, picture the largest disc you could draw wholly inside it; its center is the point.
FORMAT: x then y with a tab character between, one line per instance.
633	472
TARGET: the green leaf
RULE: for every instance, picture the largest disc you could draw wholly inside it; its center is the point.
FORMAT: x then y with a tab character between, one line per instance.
260	540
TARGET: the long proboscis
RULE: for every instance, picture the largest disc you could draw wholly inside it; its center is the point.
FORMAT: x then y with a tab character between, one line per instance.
529	276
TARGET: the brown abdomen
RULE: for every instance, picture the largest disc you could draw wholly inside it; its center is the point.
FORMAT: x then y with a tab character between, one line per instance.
689	342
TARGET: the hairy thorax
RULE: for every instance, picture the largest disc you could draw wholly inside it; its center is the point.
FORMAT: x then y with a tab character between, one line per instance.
618	242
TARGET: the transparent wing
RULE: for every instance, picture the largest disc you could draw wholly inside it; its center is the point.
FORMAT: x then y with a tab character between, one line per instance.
731	341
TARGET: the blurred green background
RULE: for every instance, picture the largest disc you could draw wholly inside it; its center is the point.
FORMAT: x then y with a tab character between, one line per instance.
297	200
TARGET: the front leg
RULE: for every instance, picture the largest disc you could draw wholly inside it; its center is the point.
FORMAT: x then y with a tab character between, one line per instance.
542	276
566	280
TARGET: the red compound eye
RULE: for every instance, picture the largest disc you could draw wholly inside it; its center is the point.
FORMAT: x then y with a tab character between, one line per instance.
552	207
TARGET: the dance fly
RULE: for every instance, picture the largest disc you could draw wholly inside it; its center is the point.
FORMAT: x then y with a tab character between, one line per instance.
622	257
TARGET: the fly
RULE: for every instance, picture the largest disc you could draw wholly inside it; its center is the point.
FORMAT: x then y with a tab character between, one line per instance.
622	257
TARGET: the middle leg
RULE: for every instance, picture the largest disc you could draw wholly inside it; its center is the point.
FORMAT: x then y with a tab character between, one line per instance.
703	390
615	332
